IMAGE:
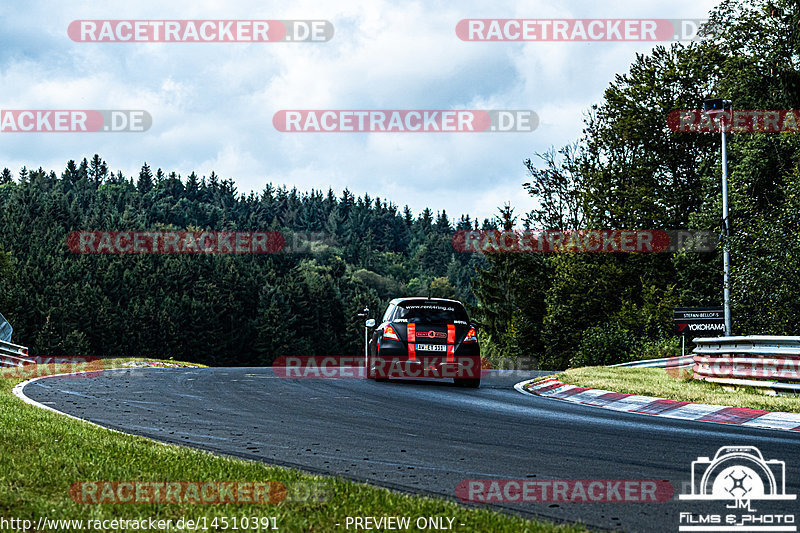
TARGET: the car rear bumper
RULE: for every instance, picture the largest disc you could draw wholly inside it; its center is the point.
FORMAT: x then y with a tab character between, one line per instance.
425	366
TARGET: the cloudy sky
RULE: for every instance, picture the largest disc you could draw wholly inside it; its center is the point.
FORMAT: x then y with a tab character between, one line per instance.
212	104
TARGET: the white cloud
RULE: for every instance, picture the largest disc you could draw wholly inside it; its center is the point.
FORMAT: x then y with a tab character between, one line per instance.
212	104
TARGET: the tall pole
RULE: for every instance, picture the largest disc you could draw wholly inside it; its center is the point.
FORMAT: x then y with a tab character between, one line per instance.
714	107
726	257
366	345
369	323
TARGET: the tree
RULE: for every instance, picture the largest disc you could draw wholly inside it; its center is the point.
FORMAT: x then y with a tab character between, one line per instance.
442	288
145	182
559	189
192	186
493	289
70	173
629	170
98	170
6	282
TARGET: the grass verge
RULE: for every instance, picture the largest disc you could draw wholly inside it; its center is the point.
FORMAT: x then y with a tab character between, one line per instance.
659	383
44	453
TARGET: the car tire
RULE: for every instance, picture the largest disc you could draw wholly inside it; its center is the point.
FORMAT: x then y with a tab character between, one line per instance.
469	383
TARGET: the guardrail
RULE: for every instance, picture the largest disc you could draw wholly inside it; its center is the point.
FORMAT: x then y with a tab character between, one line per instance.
685	361
757	361
13	355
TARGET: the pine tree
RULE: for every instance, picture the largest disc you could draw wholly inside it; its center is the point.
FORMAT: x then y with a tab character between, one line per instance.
83	171
70	173
145	183
192	186
408	218
98	170
346	204
493	289
442	223
424	223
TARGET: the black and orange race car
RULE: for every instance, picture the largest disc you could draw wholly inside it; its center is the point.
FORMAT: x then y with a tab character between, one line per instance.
428	338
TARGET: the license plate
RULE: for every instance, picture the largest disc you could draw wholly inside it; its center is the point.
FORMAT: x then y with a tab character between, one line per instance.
432	347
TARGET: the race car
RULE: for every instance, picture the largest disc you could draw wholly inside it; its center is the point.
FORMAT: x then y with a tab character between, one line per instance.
425	337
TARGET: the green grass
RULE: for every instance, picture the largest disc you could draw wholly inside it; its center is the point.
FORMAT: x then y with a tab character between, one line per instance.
43	453
660	383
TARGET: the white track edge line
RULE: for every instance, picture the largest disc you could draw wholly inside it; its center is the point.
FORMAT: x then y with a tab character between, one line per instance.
520	388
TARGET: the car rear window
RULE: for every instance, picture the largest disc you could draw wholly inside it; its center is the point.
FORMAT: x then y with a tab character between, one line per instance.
431	312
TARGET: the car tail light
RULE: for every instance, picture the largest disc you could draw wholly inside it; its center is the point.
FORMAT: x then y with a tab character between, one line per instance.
471	336
390	333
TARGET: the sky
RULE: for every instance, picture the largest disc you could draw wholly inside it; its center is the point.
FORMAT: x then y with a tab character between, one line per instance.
212	104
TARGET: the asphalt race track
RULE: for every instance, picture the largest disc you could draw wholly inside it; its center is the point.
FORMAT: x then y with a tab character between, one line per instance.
420	436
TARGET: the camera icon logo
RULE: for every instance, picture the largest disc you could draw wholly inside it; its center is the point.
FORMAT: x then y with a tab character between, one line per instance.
738	473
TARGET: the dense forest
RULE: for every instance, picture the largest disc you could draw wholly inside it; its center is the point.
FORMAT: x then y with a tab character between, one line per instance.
342	254
628	170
